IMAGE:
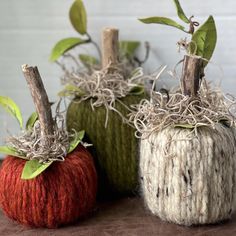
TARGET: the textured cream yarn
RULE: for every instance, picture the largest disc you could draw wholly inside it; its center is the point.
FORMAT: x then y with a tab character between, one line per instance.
189	178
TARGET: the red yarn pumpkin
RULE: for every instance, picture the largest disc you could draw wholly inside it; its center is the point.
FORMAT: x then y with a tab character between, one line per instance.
60	195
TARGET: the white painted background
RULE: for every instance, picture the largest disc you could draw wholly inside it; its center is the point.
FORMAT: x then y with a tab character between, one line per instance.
29	29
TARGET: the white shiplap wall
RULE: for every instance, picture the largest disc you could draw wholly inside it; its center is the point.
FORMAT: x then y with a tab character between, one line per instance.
29	29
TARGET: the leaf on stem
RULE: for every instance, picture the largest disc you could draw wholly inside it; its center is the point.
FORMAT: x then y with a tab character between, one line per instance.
76	140
70	90
31	121
33	168
88	60
162	21
204	40
180	12
78	17
10	151
10	106
63	46
128	48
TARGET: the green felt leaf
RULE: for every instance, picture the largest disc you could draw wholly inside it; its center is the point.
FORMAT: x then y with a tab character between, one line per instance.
10	106
10	151
186	126
70	90
76	140
78	17
63	46
33	168
88	60
137	90
31	121
180	12
162	21
204	40
128	48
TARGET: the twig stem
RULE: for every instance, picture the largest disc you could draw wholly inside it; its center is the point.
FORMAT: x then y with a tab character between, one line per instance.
192	73
40	99
110	46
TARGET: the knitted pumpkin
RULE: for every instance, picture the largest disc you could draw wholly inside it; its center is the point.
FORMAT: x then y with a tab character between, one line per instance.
63	193
48	178
195	183
187	151
115	147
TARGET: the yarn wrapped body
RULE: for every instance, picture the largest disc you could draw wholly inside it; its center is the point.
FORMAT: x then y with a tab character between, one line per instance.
64	192
190	179
114	147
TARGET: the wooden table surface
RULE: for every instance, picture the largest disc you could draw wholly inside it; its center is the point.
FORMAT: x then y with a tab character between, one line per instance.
125	217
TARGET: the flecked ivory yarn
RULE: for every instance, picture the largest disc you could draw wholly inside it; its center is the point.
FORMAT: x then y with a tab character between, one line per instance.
115	147
190	180
60	195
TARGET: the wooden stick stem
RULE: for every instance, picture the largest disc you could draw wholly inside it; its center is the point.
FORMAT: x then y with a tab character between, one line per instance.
192	73
40	99
110	46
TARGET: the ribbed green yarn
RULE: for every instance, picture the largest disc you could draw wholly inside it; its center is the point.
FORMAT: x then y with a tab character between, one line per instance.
115	147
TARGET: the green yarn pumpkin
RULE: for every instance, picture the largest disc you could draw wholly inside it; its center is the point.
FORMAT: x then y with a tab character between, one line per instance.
114	147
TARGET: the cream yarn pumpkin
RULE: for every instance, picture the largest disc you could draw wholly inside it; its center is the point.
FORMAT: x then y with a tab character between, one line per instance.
190	178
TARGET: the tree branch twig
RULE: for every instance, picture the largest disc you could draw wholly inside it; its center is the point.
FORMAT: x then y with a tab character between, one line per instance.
40	99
